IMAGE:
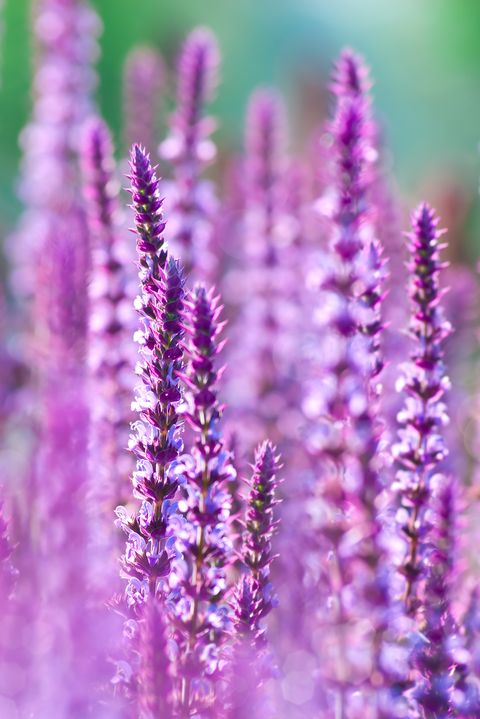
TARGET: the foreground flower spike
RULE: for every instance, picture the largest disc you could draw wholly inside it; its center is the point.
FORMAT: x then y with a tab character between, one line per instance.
444	689
202	611
251	661
189	149
144	85
110	351
260	526
155	441
421	448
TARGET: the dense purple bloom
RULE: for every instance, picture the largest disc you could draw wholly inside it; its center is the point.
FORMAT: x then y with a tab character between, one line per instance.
144	84
421	447
203	615
155	441
189	149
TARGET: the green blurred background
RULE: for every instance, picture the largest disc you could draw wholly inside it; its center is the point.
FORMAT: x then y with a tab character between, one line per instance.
424	55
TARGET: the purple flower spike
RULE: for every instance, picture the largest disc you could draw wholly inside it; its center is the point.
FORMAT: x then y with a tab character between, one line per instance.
147	205
421	447
203	614
144	82
443	689
197	82
110	348
155	441
254	597
189	149
351	459
351	76
265	146
260	526
155	684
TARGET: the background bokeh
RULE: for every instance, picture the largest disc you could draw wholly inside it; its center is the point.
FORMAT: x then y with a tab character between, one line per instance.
424	55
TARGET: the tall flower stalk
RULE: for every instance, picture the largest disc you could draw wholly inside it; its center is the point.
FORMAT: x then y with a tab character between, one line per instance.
252	664
350	469
443	689
111	348
260	527
144	78
51	273
189	149
421	448
155	442
202	612
259	393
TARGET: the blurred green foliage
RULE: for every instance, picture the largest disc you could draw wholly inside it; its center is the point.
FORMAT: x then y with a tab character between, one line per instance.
424	54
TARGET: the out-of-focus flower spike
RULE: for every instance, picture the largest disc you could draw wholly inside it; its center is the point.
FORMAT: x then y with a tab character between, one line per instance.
421	448
111	350
154	681
351	76
144	80
350	433
188	148
265	166
197	83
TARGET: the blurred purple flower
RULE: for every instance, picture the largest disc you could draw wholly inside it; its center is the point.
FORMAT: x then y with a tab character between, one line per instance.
189	149
144	78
